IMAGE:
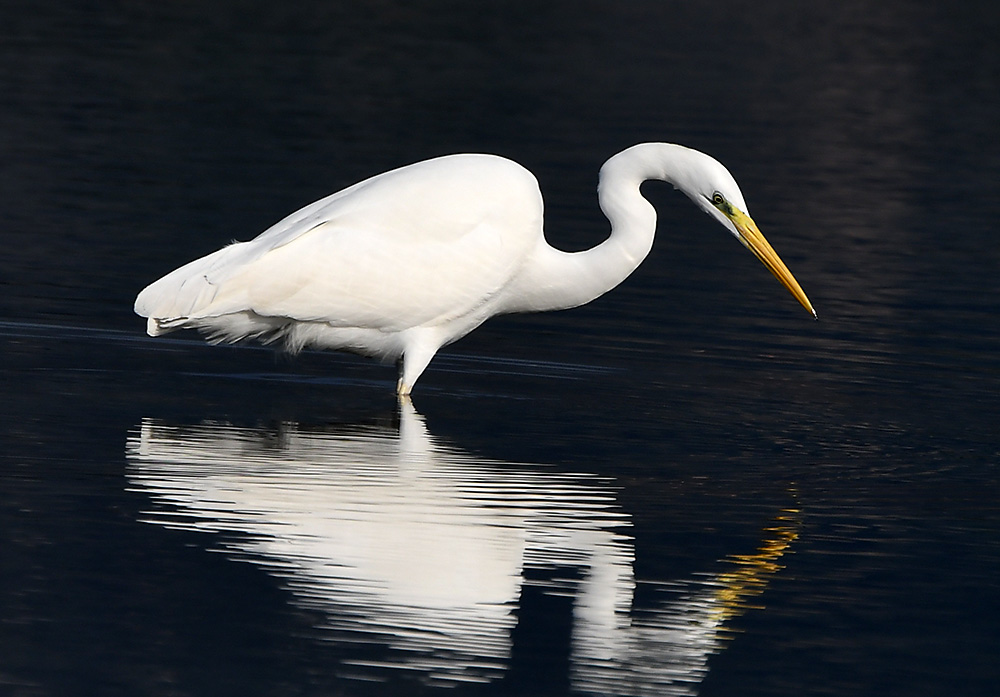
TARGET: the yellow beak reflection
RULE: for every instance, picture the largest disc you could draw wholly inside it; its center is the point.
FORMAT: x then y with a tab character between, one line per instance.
754	241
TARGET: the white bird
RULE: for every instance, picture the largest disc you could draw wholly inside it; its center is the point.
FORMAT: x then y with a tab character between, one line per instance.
405	262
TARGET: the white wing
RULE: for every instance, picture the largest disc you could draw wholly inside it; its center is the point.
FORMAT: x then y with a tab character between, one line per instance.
418	245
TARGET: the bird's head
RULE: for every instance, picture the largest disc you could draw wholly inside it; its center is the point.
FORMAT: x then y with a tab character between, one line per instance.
713	189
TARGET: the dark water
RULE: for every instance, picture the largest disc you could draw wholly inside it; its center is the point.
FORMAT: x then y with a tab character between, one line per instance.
687	487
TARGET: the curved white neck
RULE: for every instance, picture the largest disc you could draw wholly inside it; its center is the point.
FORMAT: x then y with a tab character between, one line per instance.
556	280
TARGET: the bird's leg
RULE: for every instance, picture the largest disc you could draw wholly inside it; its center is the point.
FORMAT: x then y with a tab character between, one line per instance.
402	389
421	345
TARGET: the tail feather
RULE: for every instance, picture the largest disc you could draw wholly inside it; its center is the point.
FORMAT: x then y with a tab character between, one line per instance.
228	328
159	327
186	292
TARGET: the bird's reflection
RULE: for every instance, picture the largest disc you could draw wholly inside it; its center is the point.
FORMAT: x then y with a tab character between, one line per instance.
408	544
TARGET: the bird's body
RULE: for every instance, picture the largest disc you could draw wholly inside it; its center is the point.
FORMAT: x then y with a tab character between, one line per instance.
408	261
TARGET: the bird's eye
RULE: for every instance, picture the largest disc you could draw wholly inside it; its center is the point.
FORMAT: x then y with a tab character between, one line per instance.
718	199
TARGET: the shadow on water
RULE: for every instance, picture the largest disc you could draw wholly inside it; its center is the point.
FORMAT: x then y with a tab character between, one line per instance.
418	557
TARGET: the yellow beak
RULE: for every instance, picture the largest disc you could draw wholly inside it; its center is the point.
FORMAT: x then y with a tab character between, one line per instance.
751	238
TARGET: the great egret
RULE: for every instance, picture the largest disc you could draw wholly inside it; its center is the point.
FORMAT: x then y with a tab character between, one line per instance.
401	264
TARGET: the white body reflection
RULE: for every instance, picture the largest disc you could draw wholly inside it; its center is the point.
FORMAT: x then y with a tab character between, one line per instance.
422	548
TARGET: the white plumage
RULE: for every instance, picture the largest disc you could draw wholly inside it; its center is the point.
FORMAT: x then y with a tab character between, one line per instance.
410	260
